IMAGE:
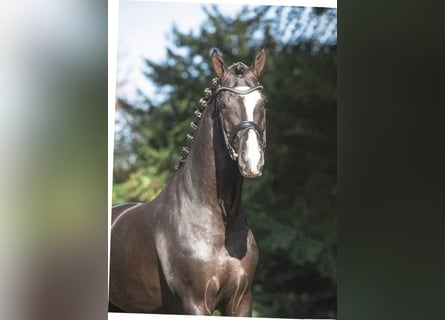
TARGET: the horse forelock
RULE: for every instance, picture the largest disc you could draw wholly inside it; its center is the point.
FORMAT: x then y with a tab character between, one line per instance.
238	75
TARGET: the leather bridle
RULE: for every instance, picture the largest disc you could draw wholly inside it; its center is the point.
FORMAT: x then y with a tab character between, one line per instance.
229	138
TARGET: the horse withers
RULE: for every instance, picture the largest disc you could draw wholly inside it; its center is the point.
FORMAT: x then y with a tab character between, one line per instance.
190	250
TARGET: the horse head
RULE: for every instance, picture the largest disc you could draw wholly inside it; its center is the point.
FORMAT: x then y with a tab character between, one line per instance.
241	112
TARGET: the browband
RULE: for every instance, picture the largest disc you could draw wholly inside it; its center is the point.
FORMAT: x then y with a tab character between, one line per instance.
242	92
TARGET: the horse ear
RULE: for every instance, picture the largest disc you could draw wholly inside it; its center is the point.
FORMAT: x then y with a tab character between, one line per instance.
218	63
260	61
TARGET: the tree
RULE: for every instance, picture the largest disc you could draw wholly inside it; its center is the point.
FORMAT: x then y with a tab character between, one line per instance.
291	209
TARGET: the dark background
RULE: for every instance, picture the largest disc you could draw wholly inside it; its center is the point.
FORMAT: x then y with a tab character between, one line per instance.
391	192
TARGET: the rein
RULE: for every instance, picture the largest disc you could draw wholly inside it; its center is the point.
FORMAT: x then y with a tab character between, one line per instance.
229	138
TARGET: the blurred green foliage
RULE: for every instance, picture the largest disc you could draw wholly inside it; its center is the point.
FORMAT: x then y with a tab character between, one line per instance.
291	208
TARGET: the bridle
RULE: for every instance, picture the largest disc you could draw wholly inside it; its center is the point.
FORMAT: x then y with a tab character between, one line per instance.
229	138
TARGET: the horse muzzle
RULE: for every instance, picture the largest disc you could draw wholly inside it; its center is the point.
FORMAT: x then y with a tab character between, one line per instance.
251	156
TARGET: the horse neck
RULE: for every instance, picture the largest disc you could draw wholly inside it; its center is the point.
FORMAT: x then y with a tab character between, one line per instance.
210	172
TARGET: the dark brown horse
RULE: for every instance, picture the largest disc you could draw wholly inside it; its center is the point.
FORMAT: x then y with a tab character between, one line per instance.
190	251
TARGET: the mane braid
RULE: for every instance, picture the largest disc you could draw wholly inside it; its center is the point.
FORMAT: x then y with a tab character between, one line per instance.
202	104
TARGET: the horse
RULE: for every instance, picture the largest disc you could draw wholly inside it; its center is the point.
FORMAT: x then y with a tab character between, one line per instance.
190	250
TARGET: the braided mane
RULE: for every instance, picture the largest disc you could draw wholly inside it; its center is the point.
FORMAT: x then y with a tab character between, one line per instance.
202	104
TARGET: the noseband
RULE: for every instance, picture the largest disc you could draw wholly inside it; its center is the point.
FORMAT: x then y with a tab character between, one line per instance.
229	138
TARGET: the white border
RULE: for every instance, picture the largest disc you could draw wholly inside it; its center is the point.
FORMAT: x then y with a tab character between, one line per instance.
141	316
113	14
303	3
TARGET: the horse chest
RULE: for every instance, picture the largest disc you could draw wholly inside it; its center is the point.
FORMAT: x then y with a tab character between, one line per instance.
206	263
209	255
220	249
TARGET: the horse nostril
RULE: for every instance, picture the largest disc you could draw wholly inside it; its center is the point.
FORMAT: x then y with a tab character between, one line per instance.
242	156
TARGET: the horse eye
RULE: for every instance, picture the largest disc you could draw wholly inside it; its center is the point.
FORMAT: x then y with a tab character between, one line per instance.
221	105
